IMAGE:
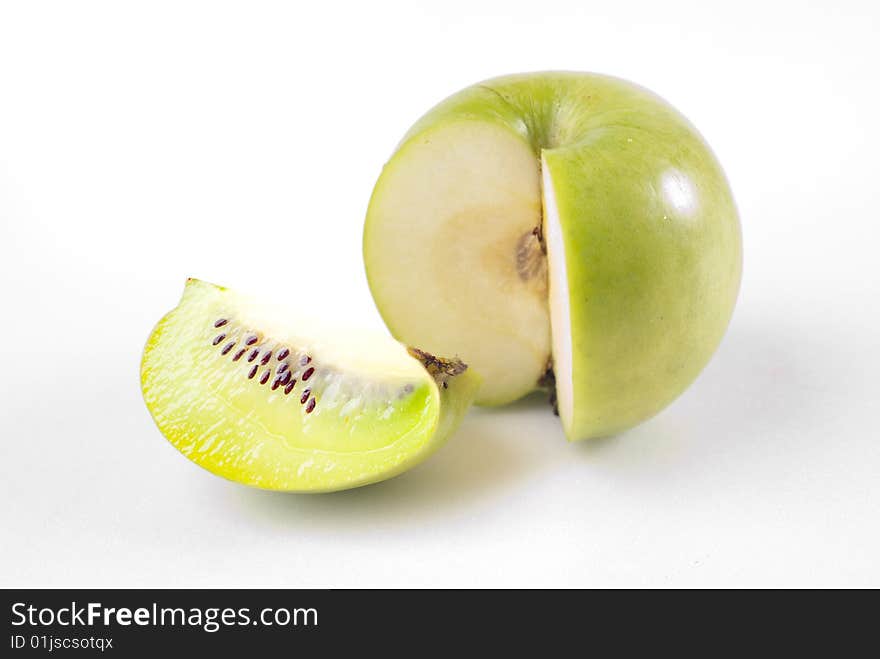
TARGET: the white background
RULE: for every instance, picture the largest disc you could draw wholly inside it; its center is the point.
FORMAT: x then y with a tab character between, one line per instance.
141	143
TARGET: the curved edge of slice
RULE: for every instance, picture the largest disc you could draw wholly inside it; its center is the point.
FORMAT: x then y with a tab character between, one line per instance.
254	401
560	312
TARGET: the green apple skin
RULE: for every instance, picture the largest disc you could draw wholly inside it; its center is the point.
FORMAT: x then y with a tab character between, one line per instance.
651	235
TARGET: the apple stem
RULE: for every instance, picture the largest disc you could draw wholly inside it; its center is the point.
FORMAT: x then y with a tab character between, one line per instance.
439	368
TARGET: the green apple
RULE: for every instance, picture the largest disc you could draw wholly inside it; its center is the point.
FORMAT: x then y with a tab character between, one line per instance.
558	225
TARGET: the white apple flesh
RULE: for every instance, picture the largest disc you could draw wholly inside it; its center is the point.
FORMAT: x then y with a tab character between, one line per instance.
464	200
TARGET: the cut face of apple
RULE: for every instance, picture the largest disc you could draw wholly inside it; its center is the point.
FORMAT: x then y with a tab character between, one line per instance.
563	221
453	255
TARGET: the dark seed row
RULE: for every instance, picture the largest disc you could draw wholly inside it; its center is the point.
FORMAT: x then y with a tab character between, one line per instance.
307	401
283	374
281	380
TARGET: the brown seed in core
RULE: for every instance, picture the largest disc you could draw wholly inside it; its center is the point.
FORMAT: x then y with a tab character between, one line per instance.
305	360
251	340
305	396
284	377
253	355
310	406
229	346
220	322
276	383
308	373
219	338
264	378
289	387
282	354
266	358
252	372
238	355
282	367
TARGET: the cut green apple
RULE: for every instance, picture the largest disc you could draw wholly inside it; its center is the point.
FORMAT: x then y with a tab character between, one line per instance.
558	223
279	402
